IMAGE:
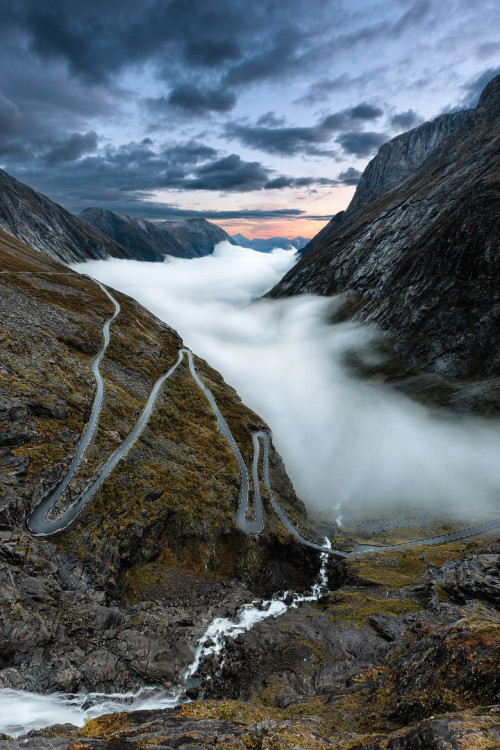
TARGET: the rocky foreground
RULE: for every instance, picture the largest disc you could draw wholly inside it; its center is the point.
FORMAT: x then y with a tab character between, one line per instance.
402	655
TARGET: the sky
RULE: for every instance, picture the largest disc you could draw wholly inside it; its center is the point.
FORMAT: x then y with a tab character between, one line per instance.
257	115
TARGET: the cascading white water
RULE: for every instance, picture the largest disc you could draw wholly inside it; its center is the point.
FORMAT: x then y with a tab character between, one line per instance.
21	711
215	636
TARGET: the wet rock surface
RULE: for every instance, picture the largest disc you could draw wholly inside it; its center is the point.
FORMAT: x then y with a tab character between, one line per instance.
367	667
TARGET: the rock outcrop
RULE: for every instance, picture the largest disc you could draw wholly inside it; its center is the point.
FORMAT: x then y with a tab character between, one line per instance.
45	226
423	260
146	240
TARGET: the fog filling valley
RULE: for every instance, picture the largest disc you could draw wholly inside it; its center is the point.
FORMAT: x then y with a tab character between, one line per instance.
351	448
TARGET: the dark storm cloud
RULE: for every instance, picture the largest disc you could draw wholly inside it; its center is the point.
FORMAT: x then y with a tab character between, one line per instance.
270	120
298	182
188	153
212	52
364	111
305	140
349	177
134	171
97	40
197	101
361	144
474	88
279	58
72	148
406	120
154	210
229	174
279	140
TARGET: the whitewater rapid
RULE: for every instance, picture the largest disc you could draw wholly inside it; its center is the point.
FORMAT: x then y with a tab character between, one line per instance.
22	711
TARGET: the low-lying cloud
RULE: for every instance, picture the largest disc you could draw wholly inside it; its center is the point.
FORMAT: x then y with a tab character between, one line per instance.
343	441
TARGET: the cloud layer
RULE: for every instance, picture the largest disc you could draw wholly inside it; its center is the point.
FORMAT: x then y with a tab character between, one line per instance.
343	441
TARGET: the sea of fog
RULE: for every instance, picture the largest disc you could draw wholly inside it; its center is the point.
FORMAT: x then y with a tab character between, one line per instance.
350	448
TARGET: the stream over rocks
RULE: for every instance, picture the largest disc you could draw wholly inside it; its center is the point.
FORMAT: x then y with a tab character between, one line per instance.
21	711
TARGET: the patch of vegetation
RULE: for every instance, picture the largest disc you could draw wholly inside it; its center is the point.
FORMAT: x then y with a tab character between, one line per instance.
349	607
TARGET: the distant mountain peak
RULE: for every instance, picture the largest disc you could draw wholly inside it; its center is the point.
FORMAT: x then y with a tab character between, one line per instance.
267	244
153	241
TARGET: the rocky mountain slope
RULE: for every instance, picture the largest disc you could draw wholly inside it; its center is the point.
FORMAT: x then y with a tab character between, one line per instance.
395	161
199	235
422	261
113	602
186	238
44	225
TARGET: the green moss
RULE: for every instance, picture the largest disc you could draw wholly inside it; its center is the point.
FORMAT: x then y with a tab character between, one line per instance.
394	569
350	607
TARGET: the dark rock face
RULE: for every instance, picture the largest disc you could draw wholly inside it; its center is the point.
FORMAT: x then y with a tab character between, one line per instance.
394	162
188	238
401	157
324	234
423	260
35	219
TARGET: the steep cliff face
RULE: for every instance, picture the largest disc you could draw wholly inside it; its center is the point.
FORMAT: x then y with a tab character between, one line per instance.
395	161
44	225
186	238
401	157
423	261
112	601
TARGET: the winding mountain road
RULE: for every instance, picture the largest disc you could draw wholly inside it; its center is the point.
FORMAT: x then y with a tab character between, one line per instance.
40	525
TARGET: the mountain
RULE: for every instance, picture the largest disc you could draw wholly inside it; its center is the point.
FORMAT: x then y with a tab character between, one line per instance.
395	161
112	602
266	245
199	235
422	261
35	219
147	240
